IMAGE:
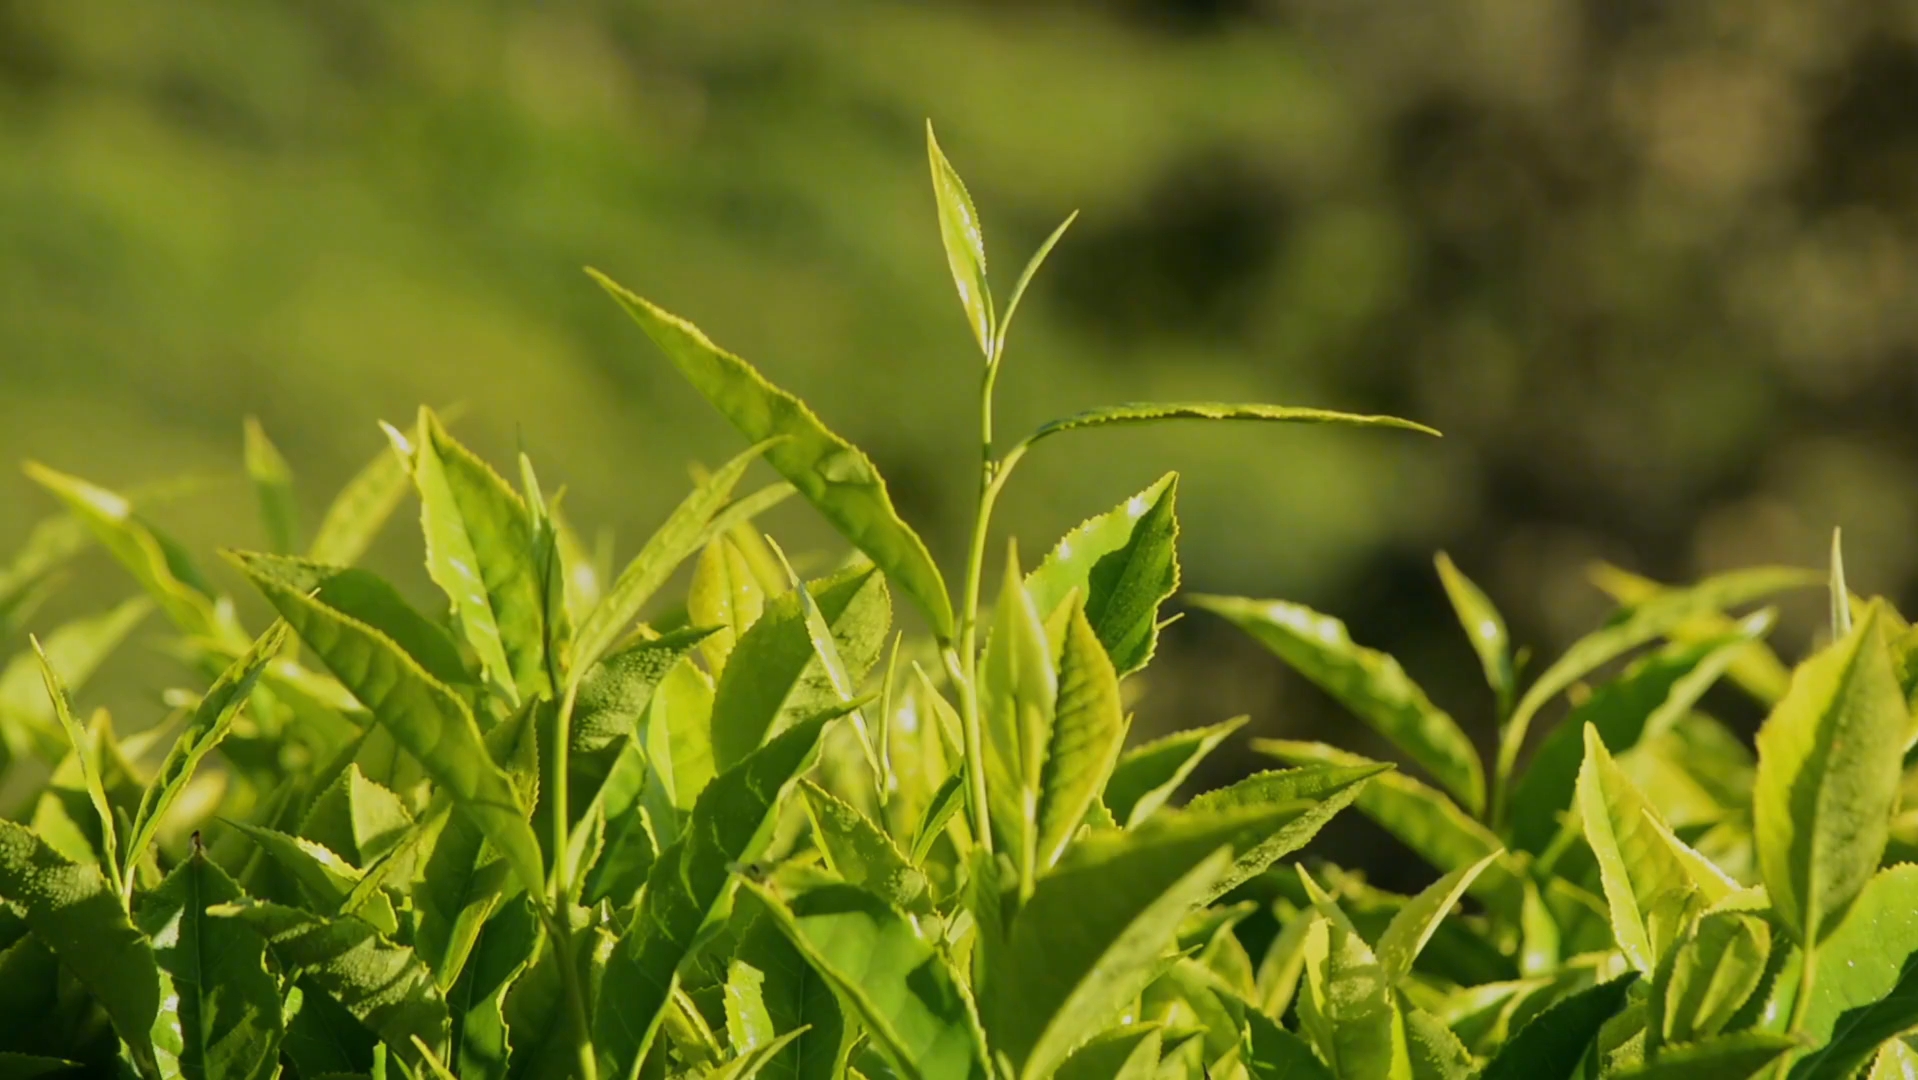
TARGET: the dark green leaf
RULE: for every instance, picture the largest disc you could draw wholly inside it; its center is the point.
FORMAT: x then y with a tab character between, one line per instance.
1125	564
229	1006
906	997
1273	1053
776	676
786	997
829	471
729	826
382	984
1552	1045
1728	1057
423	716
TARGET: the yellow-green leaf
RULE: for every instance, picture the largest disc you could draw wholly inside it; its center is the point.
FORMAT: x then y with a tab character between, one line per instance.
965	243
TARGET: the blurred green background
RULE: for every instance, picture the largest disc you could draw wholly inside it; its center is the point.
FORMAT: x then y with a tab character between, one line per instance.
1650	266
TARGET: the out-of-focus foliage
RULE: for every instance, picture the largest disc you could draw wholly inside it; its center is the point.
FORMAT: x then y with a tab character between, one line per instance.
1651	267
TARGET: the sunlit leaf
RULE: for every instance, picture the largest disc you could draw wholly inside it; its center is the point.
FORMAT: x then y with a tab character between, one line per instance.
965	243
1405	937
1124	564
273	487
1147	775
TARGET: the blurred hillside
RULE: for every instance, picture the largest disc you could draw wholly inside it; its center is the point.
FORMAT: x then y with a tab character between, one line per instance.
1652	267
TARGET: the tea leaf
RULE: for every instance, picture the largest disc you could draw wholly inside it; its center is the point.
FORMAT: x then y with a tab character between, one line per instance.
424	717
1727	1057
1130	1052
361	509
1370	684
1422	819
1088	729
1637	868
907	999
684	532
1713	973
76	650
1147	775
325	879
1087	939
1125	564
1552	1045
829	471
1757	669
209	724
1025	278
1151	412
1300	801
1826	785
479	551
273	486
383	985
86	753
159	566
1484	628
1346	1004
860	852
72	911
725	594
730	824
1663	613
1273	1053
1415	923
1649	695
775	673
229	1006
1867	975
1018	690
965	243
794	1001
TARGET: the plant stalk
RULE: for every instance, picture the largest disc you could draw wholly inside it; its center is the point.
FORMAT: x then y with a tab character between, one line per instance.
966	670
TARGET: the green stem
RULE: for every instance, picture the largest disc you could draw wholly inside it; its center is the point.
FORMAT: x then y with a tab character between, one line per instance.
1801	1003
966	671
560	887
560	927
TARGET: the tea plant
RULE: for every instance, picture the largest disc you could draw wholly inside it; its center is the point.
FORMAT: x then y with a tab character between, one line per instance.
568	826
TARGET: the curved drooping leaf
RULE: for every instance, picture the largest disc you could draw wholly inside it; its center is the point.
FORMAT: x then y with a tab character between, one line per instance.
1088	938
1415	923
158	565
1552	1045
1147	775
209	724
776	674
1125	564
1637	868
229	1006
965	244
1867	977
1826	781
480	552
1370	684
1347	1006
1634	626
382	984
786	997
729	826
1088	729
273	488
72	911
423	716
361	509
1018	690
830	472
860	852
1743	1056
1150	412
1647	697
1300	802
906	997
1424	820
1484	628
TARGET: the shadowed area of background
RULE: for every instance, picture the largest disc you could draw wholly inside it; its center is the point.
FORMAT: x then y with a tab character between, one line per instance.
1653	268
